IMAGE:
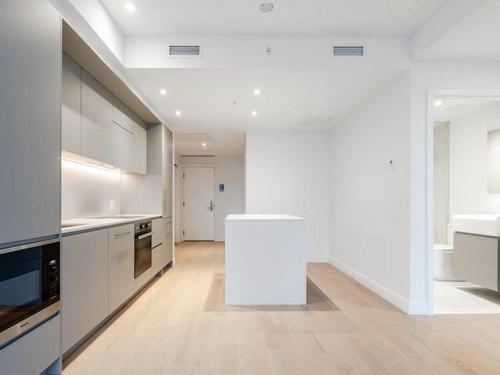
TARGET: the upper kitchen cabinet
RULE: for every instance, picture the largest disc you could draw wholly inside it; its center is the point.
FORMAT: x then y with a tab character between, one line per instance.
103	117
135	157
95	124
71	105
160	162
139	156
30	120
168	171
97	120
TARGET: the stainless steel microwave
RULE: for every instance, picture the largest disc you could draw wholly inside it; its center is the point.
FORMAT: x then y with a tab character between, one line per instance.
29	287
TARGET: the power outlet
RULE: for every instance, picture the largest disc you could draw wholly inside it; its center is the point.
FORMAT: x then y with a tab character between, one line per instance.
112	204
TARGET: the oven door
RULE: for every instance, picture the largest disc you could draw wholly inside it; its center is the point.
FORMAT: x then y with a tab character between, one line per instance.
29	287
142	254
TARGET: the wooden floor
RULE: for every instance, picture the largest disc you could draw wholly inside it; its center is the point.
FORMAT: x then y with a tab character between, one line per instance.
169	330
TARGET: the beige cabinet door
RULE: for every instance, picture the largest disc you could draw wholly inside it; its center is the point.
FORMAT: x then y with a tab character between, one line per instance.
122	145
84	284
138	150
97	115
30	120
167	172
158	245
158	232
121	265
71	105
169	251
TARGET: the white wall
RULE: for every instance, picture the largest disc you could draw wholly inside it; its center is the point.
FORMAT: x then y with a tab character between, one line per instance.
370	203
469	162
287	173
229	170
87	191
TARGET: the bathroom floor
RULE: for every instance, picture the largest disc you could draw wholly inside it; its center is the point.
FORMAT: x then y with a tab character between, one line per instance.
460	297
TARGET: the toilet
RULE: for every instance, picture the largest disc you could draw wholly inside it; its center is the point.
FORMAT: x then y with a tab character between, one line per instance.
443	263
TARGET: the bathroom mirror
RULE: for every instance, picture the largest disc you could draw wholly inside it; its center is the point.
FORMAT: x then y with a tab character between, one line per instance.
494	160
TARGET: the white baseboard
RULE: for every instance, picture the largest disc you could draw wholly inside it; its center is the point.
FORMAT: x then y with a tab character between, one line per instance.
388	295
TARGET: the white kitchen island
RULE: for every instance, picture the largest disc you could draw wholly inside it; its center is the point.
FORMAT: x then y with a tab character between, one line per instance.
265	260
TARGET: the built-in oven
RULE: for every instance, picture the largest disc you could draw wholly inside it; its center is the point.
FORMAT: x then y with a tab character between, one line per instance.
29	287
142	248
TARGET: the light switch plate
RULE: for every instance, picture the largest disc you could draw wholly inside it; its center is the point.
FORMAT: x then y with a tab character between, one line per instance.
391	165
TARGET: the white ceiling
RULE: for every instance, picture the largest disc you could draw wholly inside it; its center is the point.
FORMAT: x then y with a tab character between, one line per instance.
475	38
222	99
452	109
216	143
289	17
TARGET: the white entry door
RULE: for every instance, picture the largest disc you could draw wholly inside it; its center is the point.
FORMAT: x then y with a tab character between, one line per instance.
198	203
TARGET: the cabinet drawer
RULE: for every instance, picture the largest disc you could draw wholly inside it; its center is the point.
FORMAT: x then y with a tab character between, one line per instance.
158	229
34	352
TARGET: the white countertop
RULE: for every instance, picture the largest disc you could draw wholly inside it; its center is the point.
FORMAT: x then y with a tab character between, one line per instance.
96	223
486	225
263	217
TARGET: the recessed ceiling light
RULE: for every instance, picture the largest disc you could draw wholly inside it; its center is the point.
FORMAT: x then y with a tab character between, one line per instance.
256	92
253	113
131	8
178	113
438	103
204	145
163	91
266	7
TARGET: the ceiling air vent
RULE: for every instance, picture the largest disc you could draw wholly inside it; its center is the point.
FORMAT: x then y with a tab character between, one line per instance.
184	50
348	50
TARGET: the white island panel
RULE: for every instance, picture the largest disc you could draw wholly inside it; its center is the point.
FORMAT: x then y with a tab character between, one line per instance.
265	260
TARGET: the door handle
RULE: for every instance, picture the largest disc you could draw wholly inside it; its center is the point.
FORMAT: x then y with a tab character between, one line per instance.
211	207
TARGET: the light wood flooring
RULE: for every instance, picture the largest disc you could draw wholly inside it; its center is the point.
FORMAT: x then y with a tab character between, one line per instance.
176	327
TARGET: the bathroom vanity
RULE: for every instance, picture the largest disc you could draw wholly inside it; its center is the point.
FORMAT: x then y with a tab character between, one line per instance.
476	242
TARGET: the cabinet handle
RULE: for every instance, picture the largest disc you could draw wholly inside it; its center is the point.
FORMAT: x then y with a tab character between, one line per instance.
119	235
142	236
164	202
161	243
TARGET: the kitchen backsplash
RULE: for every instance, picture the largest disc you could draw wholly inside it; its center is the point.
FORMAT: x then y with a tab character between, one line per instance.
89	191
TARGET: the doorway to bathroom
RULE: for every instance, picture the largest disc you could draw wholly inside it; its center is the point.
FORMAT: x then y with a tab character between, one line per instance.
466	205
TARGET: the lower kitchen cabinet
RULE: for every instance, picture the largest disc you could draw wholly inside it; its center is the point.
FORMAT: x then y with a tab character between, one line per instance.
121	265
84	284
158	245
169	240
161	243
